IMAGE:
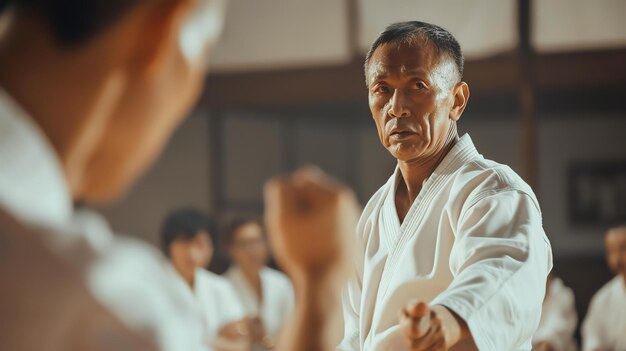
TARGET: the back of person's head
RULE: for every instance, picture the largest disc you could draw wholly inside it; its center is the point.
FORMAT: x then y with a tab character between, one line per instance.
186	224
130	70
73	21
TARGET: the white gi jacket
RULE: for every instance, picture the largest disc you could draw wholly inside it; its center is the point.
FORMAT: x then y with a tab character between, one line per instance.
125	275
472	241
604	327
278	297
216	302
558	318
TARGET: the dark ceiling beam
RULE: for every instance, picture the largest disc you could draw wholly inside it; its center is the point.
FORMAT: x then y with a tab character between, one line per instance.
291	87
583	69
598	69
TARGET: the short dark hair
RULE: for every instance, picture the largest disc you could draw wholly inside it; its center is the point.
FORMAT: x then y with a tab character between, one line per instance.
73	22
407	32
228	236
185	223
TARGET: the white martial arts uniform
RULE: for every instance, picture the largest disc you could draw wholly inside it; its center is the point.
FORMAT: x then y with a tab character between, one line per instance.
604	327
278	297
558	318
216	302
124	275
472	241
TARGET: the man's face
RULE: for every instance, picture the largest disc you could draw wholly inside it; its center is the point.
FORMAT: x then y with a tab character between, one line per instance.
187	255
249	248
615	243
410	97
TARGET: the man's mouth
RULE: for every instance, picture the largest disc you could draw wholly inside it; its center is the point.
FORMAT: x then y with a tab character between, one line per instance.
401	134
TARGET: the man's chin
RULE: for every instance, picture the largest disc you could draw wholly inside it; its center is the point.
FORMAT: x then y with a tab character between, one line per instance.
405	153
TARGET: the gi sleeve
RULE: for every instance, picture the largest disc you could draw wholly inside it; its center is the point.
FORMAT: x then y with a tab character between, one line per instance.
500	261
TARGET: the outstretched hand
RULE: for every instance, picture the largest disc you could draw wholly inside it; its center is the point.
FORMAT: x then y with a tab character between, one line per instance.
430	328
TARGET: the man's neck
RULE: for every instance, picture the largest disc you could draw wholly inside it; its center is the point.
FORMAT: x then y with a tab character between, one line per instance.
62	90
415	172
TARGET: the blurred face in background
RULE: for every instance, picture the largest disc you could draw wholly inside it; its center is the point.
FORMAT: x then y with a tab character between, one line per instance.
615	243
189	254
248	248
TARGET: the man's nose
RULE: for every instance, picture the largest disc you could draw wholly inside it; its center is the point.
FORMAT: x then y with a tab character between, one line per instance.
398	105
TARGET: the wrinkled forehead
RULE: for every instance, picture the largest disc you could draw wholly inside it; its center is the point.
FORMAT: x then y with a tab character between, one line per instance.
397	59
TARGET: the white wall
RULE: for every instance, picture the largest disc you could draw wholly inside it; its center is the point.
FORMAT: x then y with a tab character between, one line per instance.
563	141
277	34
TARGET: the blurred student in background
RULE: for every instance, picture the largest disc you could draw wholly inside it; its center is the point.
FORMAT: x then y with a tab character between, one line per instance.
187	240
558	318
264	293
604	327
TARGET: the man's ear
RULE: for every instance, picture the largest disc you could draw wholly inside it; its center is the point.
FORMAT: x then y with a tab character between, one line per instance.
461	96
161	26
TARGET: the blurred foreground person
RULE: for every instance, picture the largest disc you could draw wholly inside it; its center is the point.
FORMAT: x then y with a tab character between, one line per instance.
453	242
263	292
90	91
310	219
187	240
604	328
558	319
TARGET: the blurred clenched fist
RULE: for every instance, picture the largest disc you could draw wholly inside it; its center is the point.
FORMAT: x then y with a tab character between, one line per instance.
310	218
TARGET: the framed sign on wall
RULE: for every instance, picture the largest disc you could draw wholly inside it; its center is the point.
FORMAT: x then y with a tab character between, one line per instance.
597	193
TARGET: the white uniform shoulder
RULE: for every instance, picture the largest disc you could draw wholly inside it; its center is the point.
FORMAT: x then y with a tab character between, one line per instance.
563	294
275	276
489	177
481	178
220	297
598	328
210	280
608	291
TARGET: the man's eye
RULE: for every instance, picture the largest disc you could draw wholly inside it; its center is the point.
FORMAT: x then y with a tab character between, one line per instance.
381	89
420	86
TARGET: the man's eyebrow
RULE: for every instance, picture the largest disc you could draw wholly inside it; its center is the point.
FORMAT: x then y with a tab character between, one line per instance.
377	73
380	72
412	71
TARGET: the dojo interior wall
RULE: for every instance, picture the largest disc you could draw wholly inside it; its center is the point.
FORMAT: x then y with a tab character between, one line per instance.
257	146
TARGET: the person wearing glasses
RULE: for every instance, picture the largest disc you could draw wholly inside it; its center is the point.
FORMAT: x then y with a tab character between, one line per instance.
265	294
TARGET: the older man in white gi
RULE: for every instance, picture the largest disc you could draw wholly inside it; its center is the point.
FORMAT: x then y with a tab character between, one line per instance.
453	241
